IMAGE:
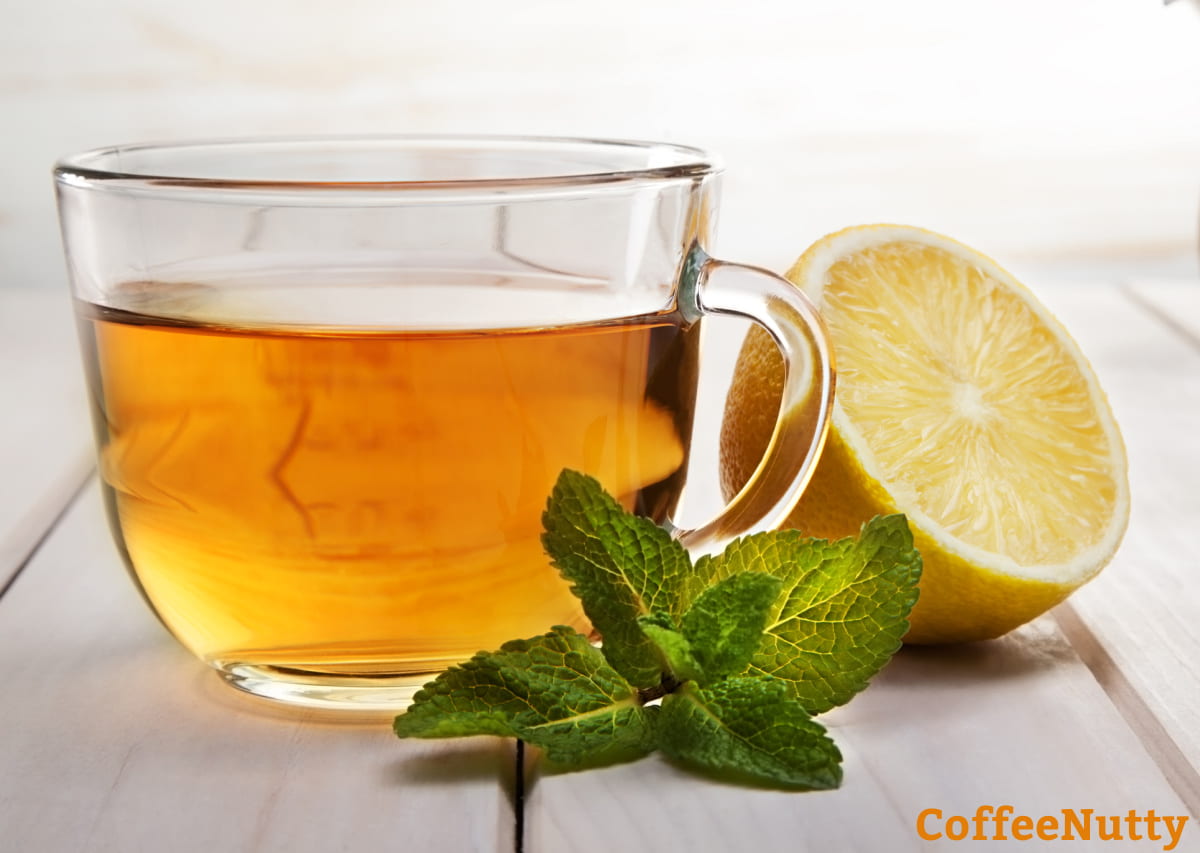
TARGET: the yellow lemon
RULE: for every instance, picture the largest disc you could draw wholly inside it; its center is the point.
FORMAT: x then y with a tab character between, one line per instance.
961	403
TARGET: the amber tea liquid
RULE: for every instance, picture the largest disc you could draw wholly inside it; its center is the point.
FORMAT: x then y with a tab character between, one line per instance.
364	503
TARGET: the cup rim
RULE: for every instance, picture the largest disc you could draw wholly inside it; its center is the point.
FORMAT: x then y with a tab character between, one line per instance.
90	167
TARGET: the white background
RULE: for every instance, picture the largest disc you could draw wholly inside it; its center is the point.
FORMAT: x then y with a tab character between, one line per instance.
1056	135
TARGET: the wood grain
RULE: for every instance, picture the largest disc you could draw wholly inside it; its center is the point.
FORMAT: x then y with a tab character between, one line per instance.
1143	610
1018	720
112	738
1021	720
115	739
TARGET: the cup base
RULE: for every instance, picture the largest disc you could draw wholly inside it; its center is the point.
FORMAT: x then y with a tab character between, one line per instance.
323	691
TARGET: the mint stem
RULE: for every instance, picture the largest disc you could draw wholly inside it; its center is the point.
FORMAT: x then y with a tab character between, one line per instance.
669	684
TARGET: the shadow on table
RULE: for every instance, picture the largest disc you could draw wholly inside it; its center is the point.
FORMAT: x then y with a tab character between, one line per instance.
1019	654
454	762
947	682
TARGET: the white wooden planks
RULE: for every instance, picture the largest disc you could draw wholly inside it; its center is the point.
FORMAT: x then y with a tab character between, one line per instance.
1144	610
1018	721
115	739
45	431
1022	720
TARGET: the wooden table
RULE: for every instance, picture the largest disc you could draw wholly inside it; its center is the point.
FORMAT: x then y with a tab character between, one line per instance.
112	738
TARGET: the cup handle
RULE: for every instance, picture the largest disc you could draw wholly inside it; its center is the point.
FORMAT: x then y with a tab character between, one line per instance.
714	287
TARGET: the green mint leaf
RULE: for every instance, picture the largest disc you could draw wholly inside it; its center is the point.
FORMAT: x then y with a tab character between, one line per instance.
749	729
724	626
556	692
620	566
742	648
675	649
842	611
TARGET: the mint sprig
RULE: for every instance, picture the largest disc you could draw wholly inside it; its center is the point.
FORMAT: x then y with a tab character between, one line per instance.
742	647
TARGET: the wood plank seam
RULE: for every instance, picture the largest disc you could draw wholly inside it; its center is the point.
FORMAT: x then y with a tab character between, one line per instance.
71	497
1130	293
519	799
1146	726
172	759
41	501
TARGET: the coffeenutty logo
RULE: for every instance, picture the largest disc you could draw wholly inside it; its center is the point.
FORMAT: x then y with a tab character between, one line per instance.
1001	823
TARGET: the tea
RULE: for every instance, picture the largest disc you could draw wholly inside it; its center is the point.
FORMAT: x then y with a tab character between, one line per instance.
365	502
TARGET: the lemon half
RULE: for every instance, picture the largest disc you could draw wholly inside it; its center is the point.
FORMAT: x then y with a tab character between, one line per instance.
963	404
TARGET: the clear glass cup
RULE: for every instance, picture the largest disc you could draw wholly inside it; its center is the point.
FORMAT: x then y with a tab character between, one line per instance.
334	380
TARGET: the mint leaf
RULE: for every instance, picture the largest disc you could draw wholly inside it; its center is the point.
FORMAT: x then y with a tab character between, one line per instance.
749	729
720	632
555	691
725	623
741	648
842	611
675	649
620	566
